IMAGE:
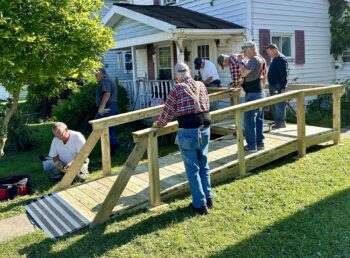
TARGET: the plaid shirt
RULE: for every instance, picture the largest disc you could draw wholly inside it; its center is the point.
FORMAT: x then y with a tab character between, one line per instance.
234	69
179	102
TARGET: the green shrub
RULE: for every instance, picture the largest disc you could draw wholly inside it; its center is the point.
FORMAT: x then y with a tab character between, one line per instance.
80	107
20	136
320	110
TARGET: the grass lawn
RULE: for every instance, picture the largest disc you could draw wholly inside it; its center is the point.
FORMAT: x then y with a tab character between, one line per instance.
291	208
27	163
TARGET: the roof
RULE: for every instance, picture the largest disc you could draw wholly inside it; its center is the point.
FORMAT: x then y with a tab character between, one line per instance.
180	17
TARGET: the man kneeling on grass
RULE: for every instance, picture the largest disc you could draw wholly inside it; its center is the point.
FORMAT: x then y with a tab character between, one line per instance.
64	148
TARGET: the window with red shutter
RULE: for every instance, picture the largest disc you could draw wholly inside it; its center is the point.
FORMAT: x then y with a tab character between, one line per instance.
299	47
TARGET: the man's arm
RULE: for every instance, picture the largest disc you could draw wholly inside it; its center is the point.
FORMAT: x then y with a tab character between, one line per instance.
208	80
282	69
105	98
244	71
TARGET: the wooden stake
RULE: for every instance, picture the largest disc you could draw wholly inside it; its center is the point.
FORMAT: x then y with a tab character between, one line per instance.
84	153
106	152
301	124
240	142
120	183
153	167
336	115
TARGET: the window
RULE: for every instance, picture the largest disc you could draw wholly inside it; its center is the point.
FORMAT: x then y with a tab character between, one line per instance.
165	71
120	63
203	52
128	61
284	44
346	56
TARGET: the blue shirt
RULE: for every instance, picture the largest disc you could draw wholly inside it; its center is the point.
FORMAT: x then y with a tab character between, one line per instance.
106	85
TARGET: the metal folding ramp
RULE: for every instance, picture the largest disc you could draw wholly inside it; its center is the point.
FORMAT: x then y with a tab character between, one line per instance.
55	216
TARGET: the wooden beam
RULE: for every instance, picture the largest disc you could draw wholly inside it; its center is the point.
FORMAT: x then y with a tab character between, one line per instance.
240	142
84	153
106	153
120	183
301	124
336	114
153	168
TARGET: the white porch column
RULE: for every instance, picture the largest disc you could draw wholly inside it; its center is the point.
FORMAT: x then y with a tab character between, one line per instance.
180	50
134	76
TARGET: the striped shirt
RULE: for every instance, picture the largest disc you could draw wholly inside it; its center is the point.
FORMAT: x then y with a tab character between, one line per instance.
180	103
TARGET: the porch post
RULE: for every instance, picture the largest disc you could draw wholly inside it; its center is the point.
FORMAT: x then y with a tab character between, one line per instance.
180	50
134	75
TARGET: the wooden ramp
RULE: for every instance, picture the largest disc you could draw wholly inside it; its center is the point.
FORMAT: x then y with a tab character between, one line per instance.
86	199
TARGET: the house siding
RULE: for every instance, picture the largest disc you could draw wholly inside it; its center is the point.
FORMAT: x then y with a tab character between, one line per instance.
232	11
128	28
312	18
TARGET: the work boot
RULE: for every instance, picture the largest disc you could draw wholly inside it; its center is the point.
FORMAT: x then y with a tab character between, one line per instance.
201	210
279	126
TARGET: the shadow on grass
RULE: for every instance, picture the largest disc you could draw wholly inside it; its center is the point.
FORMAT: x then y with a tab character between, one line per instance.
320	230
96	242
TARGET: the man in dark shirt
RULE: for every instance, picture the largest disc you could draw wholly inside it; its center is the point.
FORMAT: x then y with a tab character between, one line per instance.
106	101
277	77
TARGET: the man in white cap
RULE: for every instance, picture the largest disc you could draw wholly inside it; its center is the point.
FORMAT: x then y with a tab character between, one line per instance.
254	75
65	146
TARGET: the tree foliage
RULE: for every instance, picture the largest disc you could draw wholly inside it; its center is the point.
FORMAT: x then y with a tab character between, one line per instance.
48	40
339	11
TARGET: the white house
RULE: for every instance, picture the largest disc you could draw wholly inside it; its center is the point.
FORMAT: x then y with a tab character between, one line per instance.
151	36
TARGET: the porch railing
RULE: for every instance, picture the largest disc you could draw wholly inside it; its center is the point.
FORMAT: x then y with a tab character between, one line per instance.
146	93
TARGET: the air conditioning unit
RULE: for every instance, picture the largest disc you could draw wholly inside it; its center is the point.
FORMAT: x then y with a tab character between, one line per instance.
169	2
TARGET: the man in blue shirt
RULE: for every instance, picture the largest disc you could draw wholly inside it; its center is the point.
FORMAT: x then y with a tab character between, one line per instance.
277	77
106	101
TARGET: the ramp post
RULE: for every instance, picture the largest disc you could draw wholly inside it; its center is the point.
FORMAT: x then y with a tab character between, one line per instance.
240	142
153	167
301	124
336	114
106	152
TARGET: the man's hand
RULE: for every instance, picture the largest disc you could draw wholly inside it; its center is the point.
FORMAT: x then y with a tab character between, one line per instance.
155	124
101	110
283	90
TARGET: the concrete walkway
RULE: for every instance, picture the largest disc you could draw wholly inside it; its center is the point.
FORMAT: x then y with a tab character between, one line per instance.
15	226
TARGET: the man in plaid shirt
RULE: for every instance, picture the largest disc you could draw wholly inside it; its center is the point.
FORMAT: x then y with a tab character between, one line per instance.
233	62
188	101
180	103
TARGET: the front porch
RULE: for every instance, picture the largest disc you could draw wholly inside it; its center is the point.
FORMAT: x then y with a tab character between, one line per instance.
151	40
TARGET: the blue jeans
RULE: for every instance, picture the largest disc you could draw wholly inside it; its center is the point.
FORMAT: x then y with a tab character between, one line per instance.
279	109
254	122
112	137
193	144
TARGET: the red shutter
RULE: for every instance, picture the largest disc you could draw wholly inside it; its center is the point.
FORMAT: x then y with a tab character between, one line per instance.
299	47
150	64
156	2
264	42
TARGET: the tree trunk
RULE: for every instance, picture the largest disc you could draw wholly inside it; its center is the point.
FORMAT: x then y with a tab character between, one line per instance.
6	121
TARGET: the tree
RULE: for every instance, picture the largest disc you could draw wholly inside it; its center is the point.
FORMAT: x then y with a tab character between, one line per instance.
339	12
45	40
